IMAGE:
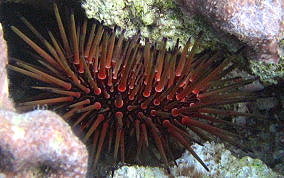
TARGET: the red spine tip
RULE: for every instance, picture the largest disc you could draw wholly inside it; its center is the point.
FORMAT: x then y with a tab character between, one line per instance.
130	108
175	112
170	97
98	91
78	95
131	97
153	112
146	93
178	74
87	91
98	105
166	123
102	76
157	102
179	97
195	91
143	106
107	96
118	103
88	101
81	70
68	87
159	89
119	115
121	88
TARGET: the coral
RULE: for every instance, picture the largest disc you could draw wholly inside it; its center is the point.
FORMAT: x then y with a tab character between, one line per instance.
257	23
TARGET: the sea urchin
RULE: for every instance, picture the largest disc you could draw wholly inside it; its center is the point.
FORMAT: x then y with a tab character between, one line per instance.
128	97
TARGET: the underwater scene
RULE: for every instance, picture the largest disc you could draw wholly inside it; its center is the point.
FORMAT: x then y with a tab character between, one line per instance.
129	88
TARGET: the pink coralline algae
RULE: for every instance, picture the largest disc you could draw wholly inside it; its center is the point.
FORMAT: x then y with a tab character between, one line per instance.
258	23
40	139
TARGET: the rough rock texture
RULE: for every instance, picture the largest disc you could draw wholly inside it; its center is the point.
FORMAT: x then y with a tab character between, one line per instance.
222	163
259	23
40	138
36	140
269	73
5	102
139	172
219	160
154	19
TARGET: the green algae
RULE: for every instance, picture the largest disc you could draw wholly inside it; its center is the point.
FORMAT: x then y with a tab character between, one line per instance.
154	19
269	73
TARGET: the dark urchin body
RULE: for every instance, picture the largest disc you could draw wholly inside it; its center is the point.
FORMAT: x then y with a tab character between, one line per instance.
129	99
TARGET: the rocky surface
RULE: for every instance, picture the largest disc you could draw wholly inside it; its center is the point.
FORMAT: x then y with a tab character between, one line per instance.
220	162
154	19
259	23
5	102
40	139
269	73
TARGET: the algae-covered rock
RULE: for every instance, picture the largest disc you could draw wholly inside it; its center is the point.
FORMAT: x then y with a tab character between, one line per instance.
154	19
139	172
269	73
220	162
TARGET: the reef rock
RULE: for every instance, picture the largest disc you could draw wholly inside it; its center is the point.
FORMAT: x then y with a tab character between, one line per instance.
220	162
259	23
40	139
5	102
